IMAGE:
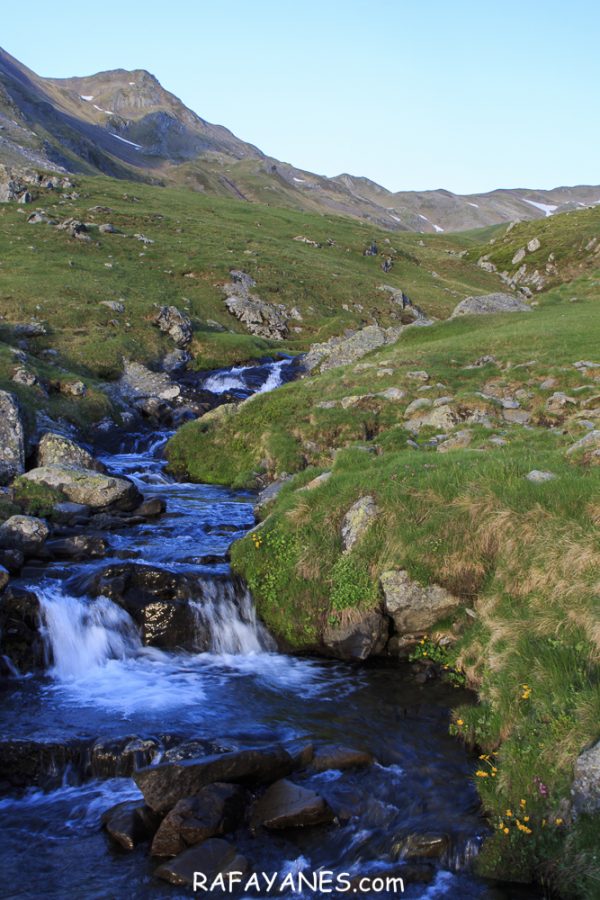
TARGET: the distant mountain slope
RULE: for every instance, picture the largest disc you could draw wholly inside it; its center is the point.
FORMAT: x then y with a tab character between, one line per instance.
125	124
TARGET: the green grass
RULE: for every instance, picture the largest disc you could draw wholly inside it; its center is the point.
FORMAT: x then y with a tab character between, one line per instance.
523	557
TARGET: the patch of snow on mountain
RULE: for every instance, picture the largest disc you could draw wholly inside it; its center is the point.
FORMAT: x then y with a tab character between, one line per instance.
87	98
437	227
547	208
125	141
476	205
300	180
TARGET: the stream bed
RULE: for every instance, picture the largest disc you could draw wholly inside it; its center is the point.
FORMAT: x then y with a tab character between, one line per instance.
105	685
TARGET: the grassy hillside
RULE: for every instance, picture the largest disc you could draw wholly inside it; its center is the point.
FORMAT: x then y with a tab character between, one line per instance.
522	557
50	276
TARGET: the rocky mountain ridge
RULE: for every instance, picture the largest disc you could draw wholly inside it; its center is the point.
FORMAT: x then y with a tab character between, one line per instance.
126	125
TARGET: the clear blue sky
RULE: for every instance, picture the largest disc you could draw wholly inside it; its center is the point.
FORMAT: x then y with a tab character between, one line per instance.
464	95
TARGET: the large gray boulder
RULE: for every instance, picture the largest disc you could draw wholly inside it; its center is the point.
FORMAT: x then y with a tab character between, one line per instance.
490	303
58	450
414	608
94	489
138	383
176	324
266	320
12	438
343	351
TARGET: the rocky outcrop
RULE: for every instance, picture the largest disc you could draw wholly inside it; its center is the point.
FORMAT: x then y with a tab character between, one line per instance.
164	785
442	418
355	634
176	324
58	450
350	348
357	521
586	449
266	320
490	303
215	810
93	489
12	439
288	805
412	607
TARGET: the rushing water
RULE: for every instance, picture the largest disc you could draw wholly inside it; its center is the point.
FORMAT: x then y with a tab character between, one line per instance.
240	693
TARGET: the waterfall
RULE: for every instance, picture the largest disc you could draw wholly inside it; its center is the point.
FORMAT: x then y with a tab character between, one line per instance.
248	379
228	613
82	634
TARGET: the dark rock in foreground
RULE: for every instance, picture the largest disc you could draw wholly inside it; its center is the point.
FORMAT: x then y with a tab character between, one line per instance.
342	758
164	785
20	620
130	823
216	810
210	859
288	805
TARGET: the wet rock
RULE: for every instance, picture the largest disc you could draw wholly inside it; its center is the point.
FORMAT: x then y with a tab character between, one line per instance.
214	811
164	785
151	508
422	846
586	783
12	560
4	578
12	440
20	623
176	360
412	607
288	805
176	324
490	303
210	859
58	450
78	546
158	601
356	634
68	513
333	756
130	823
39	763
94	489
25	533
357	521
120	757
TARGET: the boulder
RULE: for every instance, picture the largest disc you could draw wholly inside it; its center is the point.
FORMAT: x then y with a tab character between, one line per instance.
586	783
176	360
58	450
78	546
164	785
343	351
260	318
412	607
334	756
108	228
490	303
442	418
587	448
72	388
288	805
357	520
116	306
356	634
422	846
533	245
12	439
130	823
20	621
25	533
120	757
202	864
94	489
176	324
158	601
215	810
537	476
139	382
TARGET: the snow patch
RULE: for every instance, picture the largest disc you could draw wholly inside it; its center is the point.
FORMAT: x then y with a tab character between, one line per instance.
476	205
125	141
437	227
99	108
395	218
86	97
132	84
299	180
547	208
425	219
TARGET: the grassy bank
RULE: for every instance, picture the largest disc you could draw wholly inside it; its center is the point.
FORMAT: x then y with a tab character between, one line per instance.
521	556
